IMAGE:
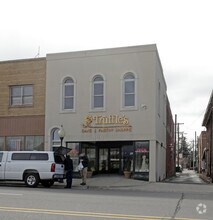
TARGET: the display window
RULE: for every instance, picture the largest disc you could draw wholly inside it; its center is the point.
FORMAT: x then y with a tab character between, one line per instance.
89	150
142	156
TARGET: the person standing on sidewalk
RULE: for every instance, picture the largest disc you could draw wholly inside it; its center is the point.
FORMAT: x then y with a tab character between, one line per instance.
85	161
68	164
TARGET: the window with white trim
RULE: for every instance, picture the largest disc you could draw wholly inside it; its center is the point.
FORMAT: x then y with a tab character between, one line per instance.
159	98
55	138
98	92
21	95
68	94
129	90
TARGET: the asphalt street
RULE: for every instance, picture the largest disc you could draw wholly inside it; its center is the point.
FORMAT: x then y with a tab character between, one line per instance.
110	197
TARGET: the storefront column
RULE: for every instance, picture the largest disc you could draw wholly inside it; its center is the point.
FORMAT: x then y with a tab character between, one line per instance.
152	164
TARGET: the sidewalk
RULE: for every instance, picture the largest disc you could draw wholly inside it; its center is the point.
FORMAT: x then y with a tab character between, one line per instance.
205	178
186	177
119	182
114	181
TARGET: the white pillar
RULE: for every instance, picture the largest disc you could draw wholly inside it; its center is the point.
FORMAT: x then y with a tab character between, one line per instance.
152	162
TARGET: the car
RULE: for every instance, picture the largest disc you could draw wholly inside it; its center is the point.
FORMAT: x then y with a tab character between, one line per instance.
32	167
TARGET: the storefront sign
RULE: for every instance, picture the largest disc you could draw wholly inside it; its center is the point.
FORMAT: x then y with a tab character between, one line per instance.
141	150
111	123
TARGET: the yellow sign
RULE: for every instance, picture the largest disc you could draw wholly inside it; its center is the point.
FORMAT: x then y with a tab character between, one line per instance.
111	123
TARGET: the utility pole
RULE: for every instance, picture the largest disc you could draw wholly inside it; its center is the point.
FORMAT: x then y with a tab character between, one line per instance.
193	156
178	159
195	160
177	140
178	156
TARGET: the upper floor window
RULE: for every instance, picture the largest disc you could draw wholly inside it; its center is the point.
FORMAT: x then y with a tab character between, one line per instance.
129	96
98	92
68	93
159	98
21	95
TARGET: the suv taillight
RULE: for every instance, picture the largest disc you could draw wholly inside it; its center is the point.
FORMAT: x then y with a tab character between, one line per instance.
53	167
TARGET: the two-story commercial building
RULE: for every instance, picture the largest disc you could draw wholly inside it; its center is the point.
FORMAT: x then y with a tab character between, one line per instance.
22	101
112	104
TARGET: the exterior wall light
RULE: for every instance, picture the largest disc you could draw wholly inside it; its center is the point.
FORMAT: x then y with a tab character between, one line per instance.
61	134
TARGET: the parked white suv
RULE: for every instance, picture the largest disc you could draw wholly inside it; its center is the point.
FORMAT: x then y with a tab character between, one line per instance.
32	167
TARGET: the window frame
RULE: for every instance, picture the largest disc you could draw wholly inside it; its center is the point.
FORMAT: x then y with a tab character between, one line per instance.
159	99
20	97
72	84
34	142
55	141
124	81
15	143
93	83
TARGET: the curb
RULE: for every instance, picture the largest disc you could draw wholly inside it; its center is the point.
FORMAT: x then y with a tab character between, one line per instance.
205	178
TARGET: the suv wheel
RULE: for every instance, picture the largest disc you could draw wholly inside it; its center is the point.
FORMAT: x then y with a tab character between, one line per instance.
32	179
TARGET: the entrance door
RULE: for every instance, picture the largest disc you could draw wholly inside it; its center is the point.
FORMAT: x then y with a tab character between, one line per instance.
109	160
114	160
104	160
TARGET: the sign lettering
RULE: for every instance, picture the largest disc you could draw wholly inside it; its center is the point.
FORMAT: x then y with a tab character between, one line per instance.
111	123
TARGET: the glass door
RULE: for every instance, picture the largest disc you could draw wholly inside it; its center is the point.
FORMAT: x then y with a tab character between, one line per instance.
104	160
109	160
114	160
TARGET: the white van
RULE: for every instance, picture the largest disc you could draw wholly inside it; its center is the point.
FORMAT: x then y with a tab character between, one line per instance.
32	167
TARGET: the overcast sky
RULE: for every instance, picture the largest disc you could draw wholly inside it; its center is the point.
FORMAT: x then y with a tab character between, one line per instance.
181	29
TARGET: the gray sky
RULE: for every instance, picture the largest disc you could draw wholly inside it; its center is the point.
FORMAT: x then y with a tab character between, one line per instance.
182	30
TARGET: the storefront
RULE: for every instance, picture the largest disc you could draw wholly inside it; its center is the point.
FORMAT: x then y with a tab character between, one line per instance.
114	157
112	105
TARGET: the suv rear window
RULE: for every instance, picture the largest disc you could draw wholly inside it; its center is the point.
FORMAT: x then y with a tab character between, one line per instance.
39	156
30	156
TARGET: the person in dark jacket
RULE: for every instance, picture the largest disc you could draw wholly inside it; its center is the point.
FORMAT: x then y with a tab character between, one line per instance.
85	161
69	170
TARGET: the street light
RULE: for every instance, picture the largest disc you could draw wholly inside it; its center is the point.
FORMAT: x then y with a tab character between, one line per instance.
61	134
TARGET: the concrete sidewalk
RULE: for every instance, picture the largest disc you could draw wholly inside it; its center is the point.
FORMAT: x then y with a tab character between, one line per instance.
119	182
114	181
205	178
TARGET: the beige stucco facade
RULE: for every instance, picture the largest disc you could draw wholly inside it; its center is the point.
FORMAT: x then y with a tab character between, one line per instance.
145	121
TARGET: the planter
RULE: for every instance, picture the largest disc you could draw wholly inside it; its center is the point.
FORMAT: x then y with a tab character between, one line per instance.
127	174
89	174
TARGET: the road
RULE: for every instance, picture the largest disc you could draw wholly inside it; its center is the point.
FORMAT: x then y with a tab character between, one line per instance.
167	200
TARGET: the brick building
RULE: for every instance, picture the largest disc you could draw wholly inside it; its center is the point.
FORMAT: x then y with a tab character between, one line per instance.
203	157
170	145
208	123
22	101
